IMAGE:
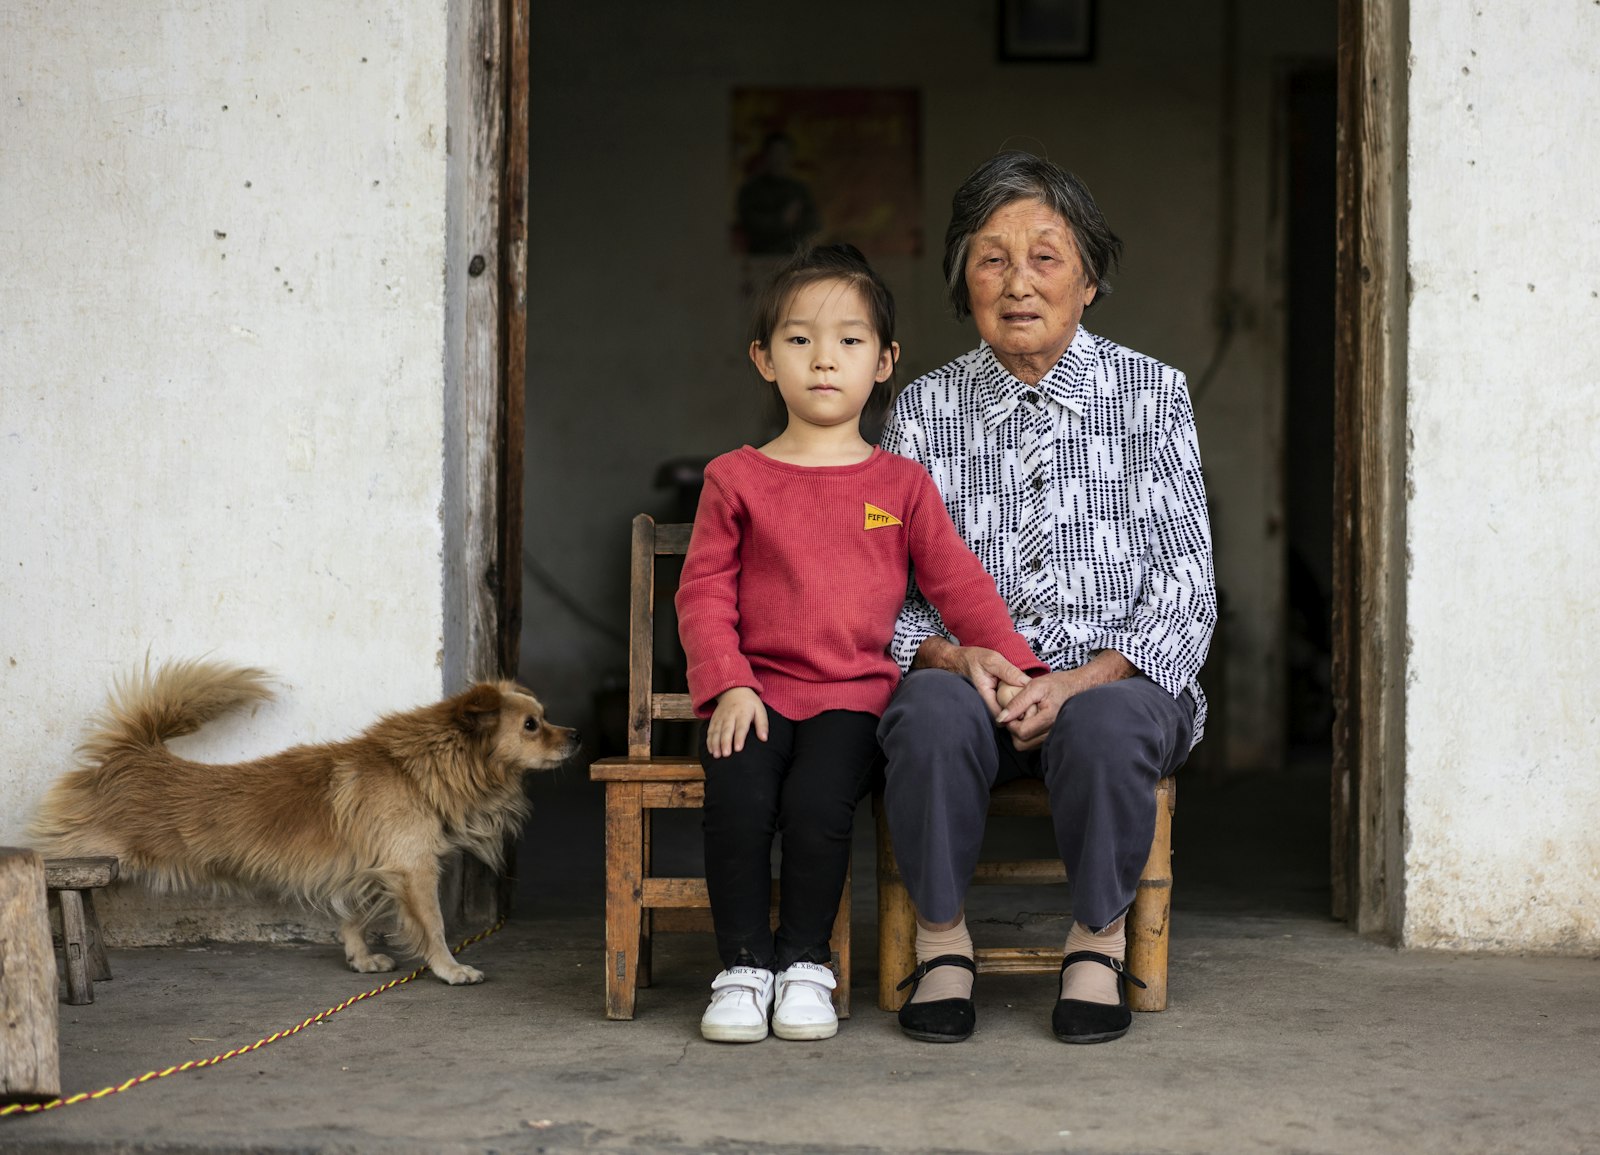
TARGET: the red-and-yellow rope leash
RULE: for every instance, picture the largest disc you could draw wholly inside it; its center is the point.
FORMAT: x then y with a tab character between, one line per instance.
196	1064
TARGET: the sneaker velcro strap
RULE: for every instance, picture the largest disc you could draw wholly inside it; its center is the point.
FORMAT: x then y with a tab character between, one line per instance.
749	978
815	974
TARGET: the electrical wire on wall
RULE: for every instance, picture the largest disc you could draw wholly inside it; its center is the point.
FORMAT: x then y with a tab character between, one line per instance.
1225	303
551	585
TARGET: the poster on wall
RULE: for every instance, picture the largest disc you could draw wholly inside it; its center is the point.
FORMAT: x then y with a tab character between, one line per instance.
824	165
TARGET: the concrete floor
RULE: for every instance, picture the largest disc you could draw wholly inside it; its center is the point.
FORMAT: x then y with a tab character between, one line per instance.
1285	1033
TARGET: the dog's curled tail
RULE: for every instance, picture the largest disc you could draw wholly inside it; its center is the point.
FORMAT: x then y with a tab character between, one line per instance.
146	708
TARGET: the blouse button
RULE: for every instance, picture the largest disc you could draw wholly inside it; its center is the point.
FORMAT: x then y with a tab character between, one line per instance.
1036	565
1031	397
1038	484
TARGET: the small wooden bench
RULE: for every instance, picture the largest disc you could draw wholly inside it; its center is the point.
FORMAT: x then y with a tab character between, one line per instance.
71	883
30	1068
1146	926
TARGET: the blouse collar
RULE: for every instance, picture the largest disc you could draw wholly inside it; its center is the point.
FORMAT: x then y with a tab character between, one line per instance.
1068	382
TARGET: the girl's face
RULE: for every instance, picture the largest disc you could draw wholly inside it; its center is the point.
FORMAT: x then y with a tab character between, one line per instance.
824	355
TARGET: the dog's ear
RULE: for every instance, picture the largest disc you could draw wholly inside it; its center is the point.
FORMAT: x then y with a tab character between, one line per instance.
478	707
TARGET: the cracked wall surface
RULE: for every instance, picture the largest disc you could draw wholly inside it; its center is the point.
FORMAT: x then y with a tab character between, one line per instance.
1502	798
221	332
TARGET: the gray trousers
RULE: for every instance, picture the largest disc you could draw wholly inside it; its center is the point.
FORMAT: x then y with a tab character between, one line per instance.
1100	763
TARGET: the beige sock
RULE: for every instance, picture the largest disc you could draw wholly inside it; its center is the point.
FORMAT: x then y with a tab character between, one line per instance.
1090	981
944	982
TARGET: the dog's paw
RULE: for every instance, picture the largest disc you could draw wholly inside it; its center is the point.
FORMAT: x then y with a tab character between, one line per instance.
458	975
372	964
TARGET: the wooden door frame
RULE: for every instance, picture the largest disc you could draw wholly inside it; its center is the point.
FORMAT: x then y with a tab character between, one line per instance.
1369	660
486	267
486	322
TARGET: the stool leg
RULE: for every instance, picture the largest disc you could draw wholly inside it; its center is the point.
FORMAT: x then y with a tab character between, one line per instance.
1152	908
99	964
841	950
897	923
80	989
624	867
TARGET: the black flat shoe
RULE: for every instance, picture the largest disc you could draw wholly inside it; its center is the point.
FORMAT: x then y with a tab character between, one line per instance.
1078	1021
942	1020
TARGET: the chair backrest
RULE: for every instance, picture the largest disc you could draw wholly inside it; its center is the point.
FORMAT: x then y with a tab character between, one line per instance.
645	705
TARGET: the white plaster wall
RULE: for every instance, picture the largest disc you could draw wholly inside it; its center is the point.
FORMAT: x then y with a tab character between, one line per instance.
221	326
1502	796
630	146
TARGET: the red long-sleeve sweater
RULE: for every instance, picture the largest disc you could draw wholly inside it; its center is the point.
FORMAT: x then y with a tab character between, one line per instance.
795	575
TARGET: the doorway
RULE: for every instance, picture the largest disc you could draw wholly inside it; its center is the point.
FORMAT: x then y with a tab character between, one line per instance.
601	422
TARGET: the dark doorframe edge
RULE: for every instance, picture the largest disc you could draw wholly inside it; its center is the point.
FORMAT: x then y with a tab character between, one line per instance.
515	17
1369	644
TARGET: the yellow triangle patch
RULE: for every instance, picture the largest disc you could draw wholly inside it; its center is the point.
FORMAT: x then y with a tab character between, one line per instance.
878	518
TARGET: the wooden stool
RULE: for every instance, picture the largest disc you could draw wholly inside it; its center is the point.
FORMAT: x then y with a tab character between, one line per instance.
71	883
1147	921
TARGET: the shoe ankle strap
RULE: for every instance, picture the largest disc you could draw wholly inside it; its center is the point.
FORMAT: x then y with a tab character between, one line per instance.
944	960
1115	964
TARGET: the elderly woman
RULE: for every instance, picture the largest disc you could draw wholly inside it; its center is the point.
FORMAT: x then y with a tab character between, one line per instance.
1070	465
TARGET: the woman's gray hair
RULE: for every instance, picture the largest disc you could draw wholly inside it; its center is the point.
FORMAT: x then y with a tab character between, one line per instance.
1020	176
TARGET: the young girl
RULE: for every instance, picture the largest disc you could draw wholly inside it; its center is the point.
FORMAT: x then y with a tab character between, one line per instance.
795	573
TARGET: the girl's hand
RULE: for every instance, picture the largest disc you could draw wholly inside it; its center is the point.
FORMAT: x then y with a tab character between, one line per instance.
737	710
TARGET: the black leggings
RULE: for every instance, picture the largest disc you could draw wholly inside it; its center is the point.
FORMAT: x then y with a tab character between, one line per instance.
804	782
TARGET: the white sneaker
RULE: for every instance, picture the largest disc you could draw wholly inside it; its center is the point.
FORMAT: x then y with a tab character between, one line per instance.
741	998
805	1006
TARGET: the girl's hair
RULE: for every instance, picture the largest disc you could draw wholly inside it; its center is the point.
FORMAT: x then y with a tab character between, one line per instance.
808	266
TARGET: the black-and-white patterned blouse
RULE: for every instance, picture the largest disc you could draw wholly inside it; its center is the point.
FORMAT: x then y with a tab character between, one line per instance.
1082	496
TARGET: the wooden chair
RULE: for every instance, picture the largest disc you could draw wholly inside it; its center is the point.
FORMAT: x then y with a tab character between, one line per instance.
71	883
1147	921
638	903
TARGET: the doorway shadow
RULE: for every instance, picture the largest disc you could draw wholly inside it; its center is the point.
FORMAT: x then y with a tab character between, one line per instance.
1252	843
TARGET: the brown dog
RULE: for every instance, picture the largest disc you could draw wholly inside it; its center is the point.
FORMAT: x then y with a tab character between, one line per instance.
351	827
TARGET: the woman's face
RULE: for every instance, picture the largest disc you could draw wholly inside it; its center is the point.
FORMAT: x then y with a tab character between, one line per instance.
1027	286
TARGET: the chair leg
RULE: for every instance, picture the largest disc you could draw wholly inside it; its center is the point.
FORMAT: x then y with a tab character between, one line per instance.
897	922
1152	908
647	922
624	882
841	950
646	947
99	964
80	989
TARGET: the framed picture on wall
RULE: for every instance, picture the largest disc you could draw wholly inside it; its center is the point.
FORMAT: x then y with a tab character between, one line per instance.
1046	30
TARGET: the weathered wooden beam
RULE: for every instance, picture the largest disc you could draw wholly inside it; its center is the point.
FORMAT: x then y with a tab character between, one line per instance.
80	873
